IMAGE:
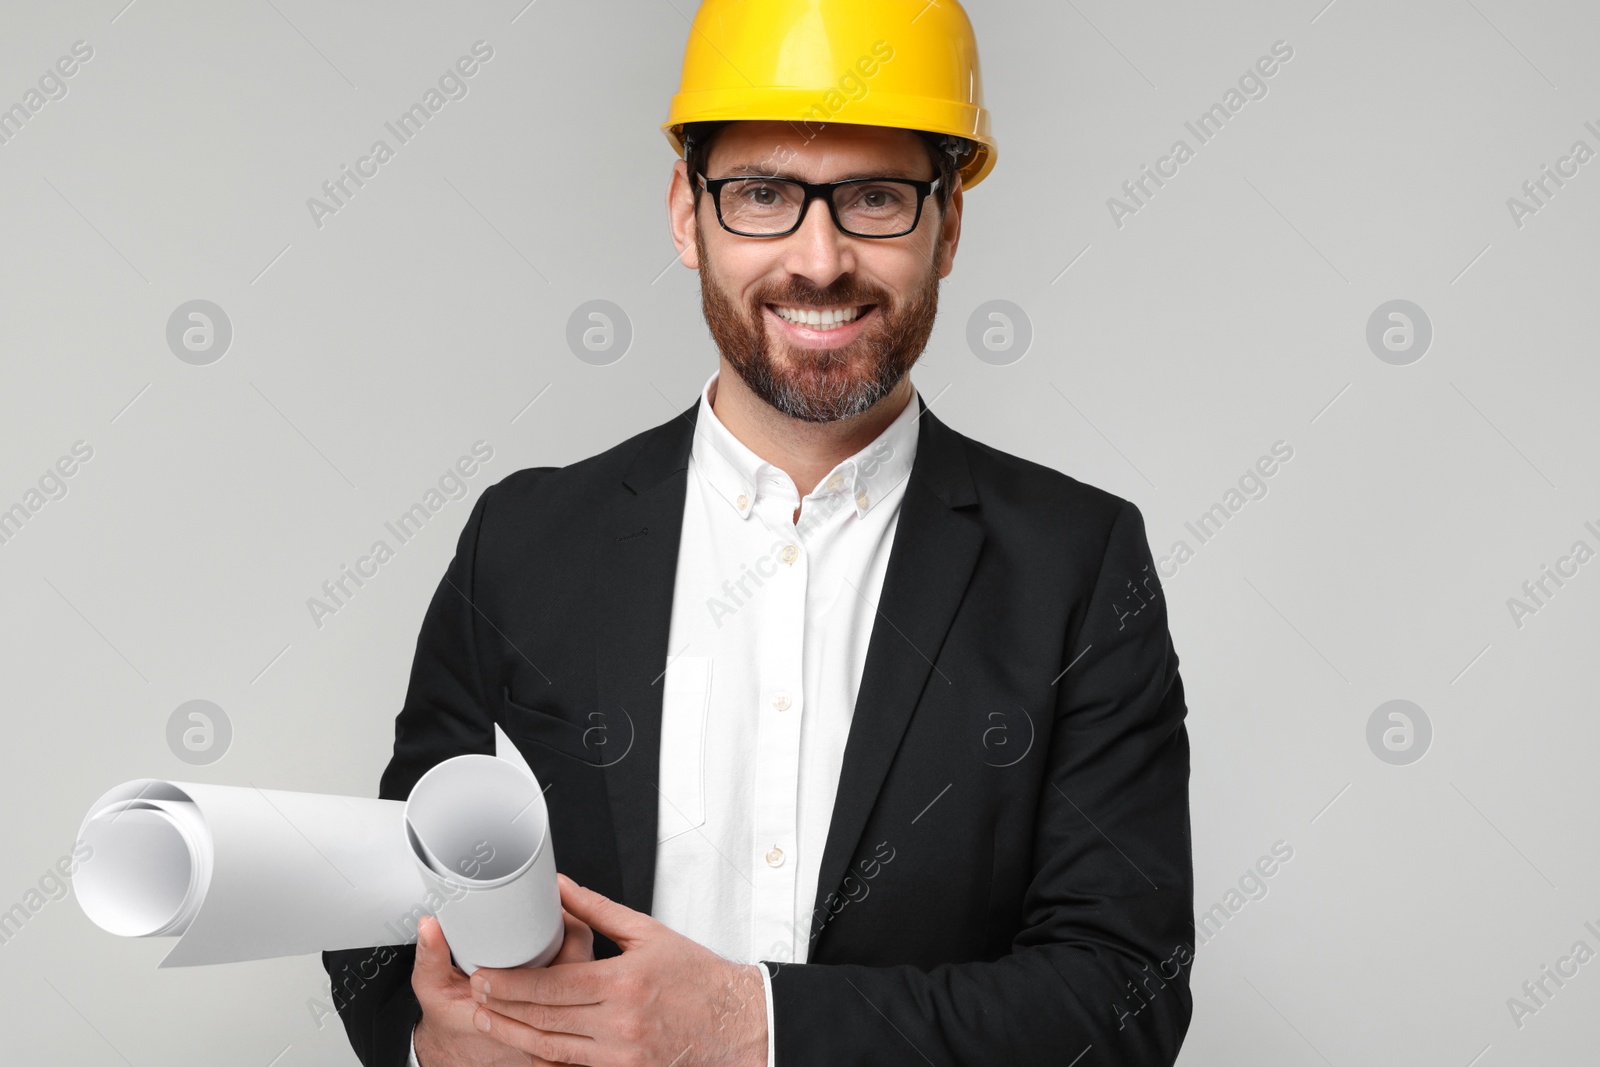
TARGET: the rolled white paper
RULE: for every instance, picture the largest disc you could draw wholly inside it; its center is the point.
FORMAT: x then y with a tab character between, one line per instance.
240	873
479	835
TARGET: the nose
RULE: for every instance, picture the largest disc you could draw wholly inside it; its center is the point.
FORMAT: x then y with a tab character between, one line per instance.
818	251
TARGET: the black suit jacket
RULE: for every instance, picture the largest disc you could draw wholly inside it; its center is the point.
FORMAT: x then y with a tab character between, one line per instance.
1007	877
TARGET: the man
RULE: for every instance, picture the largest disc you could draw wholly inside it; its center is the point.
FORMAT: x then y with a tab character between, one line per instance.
862	741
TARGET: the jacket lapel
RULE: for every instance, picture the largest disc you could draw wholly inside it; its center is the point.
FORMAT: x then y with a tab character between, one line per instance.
936	546
635	559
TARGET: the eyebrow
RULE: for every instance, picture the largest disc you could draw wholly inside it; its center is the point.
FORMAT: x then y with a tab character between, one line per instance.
757	170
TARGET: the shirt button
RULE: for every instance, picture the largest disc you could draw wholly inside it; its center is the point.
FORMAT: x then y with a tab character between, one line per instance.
789	553
861	498
743	502
774	857
836	483
782	703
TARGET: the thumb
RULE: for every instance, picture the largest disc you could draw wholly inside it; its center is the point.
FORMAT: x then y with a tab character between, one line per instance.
433	967
440	987
619	922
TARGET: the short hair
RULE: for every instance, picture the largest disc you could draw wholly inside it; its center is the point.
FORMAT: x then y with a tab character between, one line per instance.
945	150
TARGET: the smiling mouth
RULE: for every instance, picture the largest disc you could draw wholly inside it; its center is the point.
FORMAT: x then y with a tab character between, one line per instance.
820	319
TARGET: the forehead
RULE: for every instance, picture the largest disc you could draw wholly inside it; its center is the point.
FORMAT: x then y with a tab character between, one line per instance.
817	152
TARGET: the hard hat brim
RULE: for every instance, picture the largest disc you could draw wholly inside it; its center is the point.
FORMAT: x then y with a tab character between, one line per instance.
800	108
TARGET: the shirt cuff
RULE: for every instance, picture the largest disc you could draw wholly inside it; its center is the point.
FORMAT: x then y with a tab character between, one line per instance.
772	1031
411	1059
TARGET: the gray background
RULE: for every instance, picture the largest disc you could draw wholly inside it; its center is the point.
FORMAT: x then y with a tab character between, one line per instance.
1229	313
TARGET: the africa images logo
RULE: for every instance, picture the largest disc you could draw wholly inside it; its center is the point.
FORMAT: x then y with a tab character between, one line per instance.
452	85
1252	85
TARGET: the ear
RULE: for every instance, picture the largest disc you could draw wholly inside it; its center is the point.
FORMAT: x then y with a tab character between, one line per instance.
681	215
950	229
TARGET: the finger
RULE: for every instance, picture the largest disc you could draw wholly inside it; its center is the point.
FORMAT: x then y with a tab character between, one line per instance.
560	1048
581	982
440	987
433	965
574	1020
617	921
577	942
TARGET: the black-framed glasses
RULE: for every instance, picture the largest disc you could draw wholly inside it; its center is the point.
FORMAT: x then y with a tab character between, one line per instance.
861	207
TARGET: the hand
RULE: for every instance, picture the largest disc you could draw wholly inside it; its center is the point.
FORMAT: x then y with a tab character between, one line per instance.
445	1035
666	999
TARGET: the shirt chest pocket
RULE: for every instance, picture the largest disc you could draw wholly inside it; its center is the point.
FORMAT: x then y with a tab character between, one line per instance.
685	705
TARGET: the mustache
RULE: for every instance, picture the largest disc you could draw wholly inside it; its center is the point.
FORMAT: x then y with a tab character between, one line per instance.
800	292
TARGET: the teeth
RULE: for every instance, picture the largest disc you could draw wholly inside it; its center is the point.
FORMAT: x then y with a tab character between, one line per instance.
827	319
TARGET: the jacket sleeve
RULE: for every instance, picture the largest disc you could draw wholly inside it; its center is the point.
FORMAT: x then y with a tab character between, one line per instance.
1101	961
444	715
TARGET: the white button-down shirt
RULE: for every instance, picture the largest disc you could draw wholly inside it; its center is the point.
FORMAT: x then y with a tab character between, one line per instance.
770	624
768	640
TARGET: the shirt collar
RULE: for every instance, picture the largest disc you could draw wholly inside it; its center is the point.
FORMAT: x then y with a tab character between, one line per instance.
739	475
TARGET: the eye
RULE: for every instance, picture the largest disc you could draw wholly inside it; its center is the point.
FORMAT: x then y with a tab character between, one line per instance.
880	198
759	194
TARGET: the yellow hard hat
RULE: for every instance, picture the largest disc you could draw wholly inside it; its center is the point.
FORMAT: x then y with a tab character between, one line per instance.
911	64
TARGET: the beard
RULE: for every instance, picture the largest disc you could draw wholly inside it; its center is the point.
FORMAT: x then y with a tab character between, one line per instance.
820	384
